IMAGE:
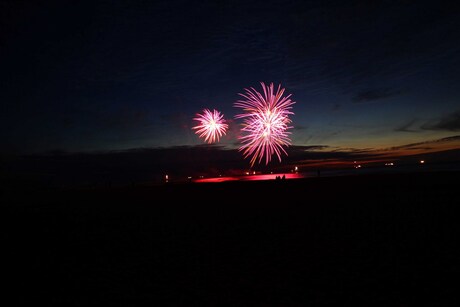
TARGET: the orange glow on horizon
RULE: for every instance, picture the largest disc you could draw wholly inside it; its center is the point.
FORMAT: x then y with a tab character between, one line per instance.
383	156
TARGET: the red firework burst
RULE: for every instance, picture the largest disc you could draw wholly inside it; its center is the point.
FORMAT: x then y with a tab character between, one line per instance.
265	123
212	125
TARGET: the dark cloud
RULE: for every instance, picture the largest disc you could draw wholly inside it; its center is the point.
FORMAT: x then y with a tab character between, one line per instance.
425	144
356	150
450	122
323	152
374	94
307	147
300	127
407	127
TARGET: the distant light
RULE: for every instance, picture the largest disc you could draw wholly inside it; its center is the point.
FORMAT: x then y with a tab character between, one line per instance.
296	168
389	164
189	177
247	173
166	178
254	172
422	161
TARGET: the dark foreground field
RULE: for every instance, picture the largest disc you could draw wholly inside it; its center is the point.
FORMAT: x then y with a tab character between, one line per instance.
374	240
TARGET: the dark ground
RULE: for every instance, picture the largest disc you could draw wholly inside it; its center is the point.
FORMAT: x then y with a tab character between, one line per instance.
368	240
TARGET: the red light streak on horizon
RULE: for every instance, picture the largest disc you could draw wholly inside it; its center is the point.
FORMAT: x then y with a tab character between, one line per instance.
252	177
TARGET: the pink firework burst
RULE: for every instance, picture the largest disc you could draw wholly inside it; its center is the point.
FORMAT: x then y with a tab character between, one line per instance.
211	125
265	123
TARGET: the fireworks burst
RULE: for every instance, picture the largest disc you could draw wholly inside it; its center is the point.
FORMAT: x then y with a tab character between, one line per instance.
212	125
265	123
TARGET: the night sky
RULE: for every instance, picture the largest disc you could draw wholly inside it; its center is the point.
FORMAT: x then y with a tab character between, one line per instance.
104	76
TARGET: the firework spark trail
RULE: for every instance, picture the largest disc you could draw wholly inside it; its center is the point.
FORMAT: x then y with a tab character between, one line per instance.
265	123
212	125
